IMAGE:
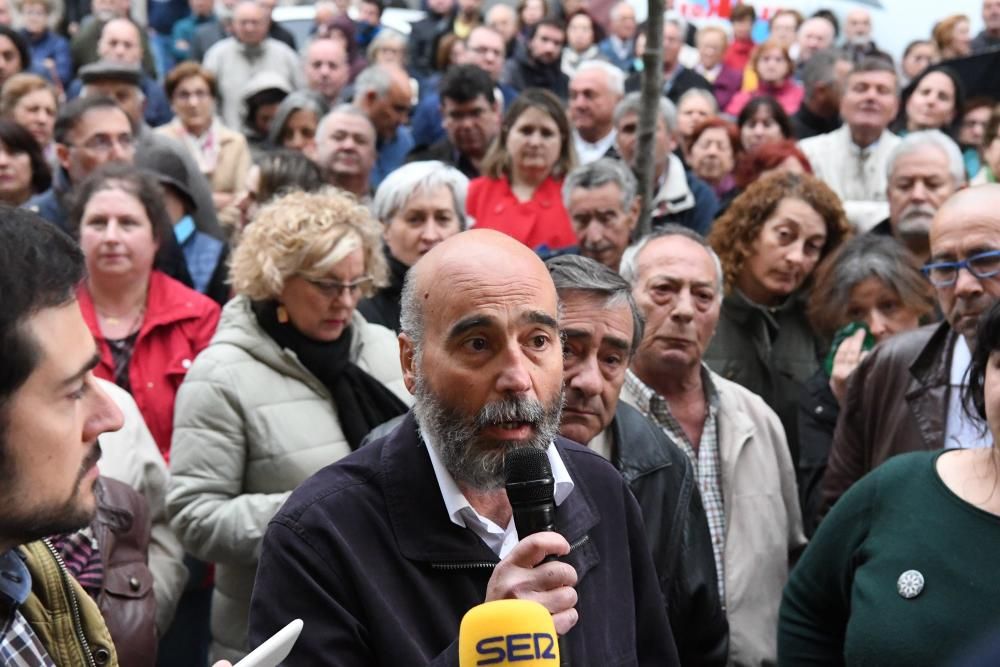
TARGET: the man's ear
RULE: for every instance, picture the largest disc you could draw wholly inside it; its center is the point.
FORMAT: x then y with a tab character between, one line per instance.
633	212
62	154
407	361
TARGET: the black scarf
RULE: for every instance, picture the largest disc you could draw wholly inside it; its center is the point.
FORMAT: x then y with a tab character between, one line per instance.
362	402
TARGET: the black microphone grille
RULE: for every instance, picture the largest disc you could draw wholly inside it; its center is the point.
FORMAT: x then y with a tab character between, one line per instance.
526	464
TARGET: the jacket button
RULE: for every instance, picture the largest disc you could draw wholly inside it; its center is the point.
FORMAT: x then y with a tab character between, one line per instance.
133	583
102	656
186	363
819	409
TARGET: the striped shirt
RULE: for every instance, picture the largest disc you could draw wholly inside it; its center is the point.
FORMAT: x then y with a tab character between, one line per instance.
705	457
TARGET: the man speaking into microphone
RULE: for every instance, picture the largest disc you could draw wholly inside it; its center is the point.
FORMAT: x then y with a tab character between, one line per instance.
382	553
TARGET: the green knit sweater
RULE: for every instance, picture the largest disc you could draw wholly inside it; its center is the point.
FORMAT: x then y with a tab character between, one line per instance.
841	604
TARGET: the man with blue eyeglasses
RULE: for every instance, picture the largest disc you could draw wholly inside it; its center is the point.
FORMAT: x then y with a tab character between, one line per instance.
906	394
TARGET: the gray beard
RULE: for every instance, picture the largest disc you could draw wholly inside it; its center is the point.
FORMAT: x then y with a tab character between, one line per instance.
471	459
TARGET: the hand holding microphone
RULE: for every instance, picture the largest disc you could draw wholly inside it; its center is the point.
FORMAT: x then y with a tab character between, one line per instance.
523	576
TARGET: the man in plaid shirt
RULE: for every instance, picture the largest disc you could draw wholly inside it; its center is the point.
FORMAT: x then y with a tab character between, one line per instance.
735	442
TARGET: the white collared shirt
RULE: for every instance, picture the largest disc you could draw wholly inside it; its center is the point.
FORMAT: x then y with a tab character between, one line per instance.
499	540
587	152
961	431
857	175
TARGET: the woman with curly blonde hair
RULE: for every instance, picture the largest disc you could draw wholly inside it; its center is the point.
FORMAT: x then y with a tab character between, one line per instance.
769	242
294	379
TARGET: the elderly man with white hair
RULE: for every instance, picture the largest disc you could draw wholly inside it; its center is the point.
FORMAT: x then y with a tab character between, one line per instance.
923	171
383	92
734	440
594	91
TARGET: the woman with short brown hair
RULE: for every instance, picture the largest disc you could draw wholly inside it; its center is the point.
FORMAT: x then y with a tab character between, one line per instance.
221	154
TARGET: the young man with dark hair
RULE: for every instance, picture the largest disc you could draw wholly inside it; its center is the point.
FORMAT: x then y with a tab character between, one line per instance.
539	64
51	414
470	117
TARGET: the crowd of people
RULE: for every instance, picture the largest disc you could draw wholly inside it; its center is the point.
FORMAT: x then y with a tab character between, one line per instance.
276	306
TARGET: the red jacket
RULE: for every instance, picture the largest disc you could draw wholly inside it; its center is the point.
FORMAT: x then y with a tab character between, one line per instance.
738	54
178	324
540	221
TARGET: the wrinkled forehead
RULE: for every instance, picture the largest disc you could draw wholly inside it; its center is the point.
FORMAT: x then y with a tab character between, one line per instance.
678	258
464	289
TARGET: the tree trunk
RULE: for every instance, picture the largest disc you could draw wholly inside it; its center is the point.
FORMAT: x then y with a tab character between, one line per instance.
652	78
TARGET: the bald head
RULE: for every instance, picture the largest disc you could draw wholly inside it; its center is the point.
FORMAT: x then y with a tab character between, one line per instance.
971	202
120	41
478	264
965	228
858	26
478	256
250	23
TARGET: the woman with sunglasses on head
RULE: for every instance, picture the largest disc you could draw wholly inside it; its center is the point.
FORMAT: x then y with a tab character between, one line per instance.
293	380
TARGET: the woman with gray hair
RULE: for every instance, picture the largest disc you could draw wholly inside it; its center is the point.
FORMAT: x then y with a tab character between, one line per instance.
867	291
295	122
420	204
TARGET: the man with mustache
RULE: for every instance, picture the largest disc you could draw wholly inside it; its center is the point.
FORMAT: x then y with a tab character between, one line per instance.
906	394
923	171
602	329
603	205
734	440
345	147
852	159
51	414
385	550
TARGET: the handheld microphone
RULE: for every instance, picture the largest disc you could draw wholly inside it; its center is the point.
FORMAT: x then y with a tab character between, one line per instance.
508	632
531	492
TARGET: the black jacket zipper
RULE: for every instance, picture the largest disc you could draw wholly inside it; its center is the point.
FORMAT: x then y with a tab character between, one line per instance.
489	565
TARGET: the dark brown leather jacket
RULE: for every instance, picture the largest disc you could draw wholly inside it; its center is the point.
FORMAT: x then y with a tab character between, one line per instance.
897	401
122	527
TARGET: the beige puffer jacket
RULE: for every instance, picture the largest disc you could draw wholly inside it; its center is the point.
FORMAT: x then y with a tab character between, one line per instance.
250	424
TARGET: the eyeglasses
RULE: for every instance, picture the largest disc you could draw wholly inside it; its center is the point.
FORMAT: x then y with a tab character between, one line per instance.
945	274
334	289
104	143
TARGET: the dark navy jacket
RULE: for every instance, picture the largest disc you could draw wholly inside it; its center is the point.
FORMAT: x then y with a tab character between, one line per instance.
364	552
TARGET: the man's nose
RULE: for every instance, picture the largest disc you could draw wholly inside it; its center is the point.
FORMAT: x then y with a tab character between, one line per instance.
966	284
514	377
586	377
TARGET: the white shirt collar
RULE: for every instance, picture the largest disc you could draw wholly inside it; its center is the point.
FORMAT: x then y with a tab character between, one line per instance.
461	513
962	431
588	152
